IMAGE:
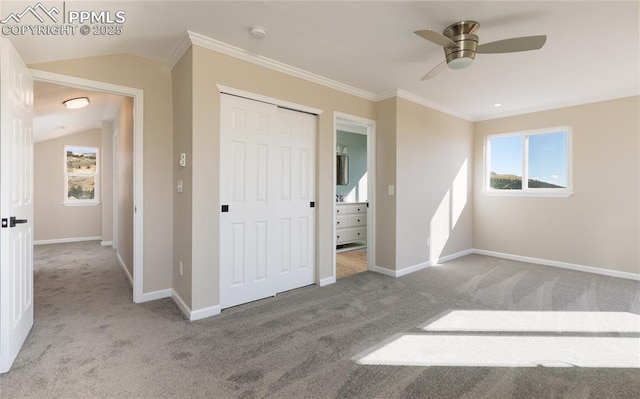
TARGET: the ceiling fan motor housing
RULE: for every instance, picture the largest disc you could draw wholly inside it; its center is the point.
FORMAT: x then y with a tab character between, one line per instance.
463	34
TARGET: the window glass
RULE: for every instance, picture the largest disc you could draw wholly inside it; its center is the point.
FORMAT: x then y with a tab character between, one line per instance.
505	162
81	174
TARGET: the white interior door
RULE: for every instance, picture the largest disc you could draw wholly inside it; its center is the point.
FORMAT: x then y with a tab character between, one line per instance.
267	183
16	204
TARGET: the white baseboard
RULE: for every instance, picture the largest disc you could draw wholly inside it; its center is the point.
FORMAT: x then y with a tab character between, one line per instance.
193	315
204	313
420	266
385	271
563	265
452	256
66	240
411	269
154	295
106	243
123	266
327	281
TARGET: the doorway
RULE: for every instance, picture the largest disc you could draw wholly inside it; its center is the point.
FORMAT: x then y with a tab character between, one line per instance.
355	195
131	207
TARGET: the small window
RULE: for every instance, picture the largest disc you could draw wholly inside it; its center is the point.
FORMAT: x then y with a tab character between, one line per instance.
81	175
529	163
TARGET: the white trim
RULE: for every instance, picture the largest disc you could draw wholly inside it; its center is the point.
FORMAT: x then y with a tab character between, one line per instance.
340	119
123	266
186	310
421	266
562	265
327	281
411	269
155	295
405	95
81	203
204	313
138	158
178	51
401	272
106	243
193	315
67	240
453	256
385	271
236	52
266	99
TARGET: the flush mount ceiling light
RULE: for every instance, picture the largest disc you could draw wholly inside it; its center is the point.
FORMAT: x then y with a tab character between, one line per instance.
76	103
258	32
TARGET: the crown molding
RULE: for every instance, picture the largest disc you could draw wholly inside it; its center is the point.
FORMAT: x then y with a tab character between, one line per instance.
178	51
193	38
429	104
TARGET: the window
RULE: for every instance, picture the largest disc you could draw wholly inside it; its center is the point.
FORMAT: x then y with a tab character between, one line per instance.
529	163
81	175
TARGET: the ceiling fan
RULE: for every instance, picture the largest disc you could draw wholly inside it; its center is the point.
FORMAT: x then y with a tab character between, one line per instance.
460	45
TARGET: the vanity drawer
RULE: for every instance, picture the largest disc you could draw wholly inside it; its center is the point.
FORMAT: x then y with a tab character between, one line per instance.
359	208
359	233
357	220
342	236
342	221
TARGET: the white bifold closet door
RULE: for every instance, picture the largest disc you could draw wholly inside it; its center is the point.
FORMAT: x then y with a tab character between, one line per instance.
267	192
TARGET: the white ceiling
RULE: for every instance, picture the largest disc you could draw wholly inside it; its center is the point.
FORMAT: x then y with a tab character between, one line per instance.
52	119
592	51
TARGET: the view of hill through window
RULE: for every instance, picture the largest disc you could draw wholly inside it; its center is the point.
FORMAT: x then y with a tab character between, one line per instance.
546	165
81	173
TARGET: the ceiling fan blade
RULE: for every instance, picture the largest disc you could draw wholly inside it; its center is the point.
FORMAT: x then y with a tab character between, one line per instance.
436	38
513	45
438	68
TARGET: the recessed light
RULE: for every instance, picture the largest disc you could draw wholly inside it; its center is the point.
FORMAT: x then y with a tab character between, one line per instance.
76	103
497	105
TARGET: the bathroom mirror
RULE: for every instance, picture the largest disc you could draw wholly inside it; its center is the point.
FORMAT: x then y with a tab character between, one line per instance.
342	170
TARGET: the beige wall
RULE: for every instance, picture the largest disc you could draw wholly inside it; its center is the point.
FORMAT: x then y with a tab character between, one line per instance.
433	154
107	181
385	245
182	81
599	225
123	124
155	79
211	68
52	219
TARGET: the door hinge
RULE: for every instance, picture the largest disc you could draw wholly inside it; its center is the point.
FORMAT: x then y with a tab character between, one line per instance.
312	204
225	208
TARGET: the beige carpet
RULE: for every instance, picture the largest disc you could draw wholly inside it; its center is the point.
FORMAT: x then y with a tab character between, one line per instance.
90	341
351	262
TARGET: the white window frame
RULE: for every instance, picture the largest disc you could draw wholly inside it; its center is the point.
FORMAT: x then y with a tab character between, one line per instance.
526	191
96	193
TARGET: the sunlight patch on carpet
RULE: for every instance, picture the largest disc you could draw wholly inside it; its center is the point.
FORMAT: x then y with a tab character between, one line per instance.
506	351
535	321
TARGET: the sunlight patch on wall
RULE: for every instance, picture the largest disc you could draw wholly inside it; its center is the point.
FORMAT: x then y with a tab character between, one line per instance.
507	351
363	188
439	228
459	194
536	321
